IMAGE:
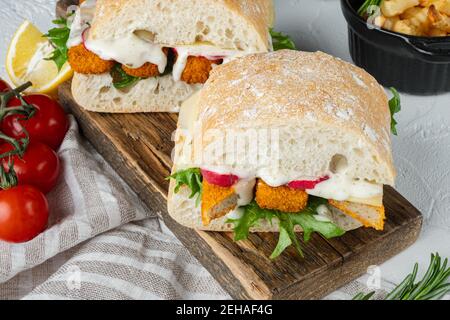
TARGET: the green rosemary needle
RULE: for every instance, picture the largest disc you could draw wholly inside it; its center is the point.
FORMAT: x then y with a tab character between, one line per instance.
433	285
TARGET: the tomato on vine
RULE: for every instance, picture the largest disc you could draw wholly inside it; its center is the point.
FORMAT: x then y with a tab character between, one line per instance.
39	166
23	208
23	213
4	87
49	123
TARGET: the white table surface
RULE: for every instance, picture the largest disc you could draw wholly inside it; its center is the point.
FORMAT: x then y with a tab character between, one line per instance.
421	151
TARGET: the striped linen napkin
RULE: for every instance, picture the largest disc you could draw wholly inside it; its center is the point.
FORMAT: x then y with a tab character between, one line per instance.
80	256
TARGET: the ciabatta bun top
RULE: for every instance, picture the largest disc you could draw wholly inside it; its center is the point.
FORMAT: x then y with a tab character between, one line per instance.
327	113
230	24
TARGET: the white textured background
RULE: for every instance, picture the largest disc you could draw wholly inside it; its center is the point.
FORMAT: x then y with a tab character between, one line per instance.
421	151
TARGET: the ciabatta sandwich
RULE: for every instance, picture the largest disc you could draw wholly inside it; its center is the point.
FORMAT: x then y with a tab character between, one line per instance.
283	142
150	55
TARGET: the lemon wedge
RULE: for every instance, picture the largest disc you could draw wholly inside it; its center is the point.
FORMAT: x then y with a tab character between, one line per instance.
26	61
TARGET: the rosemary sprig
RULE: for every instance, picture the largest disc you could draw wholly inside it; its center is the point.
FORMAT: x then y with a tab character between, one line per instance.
363	10
362	296
433	285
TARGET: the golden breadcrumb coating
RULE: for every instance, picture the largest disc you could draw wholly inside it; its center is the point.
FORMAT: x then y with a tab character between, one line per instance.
148	70
86	62
197	69
282	198
216	202
369	216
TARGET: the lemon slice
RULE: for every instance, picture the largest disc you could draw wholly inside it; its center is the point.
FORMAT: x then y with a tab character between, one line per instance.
25	61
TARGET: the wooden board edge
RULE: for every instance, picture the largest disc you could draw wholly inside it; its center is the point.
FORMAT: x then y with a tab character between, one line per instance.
336	275
375	253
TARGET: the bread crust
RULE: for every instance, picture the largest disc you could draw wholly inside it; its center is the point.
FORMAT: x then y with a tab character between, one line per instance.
300	89
160	94
289	89
115	18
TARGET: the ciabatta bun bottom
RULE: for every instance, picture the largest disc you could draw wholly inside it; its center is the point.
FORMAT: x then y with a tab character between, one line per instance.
162	94
187	213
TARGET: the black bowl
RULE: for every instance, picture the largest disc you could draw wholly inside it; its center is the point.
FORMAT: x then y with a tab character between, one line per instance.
417	65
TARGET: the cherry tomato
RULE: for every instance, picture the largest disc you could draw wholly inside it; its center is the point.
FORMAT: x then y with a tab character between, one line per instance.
48	125
4	87
221	180
23	213
306	184
39	166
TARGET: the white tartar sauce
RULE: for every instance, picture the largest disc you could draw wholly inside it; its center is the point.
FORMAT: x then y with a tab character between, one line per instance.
204	50
81	21
131	50
341	187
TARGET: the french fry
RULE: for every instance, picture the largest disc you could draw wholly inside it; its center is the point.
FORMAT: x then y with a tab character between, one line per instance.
433	32
405	27
438	20
390	22
444	7
418	17
391	8
427	3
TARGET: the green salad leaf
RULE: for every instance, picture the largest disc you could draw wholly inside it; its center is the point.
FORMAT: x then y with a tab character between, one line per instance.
58	37
192	178
306	219
281	41
394	107
121	79
253	214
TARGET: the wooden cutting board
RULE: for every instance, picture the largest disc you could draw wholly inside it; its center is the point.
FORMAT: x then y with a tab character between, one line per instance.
138	146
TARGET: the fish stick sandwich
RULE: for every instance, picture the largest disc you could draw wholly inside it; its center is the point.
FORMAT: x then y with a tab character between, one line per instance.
150	55
283	142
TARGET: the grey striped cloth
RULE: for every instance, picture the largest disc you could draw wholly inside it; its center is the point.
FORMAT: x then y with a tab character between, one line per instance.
98	245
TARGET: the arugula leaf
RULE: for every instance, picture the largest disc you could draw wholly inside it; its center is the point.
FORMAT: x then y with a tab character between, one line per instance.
394	107
284	241
121	79
286	226
314	203
58	37
192	178
252	215
287	222
310	224
363	10
281	41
